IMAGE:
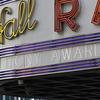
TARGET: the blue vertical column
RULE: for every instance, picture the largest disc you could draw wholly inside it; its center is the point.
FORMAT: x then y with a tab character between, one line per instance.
6	97
1	97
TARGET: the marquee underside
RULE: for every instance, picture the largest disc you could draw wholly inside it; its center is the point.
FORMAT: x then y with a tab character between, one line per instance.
66	86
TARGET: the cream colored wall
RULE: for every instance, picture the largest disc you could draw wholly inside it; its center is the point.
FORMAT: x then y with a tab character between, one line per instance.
44	13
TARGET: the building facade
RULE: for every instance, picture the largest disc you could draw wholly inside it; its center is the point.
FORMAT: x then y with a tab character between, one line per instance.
43	39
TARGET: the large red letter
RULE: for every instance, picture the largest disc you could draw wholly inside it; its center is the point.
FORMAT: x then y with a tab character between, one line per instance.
67	17
96	16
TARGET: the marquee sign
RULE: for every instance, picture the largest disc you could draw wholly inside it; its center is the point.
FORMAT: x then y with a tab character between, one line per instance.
25	23
68	17
62	41
22	22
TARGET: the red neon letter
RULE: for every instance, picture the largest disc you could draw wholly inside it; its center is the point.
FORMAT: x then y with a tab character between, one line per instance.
96	16
67	17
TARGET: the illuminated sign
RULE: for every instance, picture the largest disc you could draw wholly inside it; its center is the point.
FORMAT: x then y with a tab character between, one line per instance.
23	23
68	17
44	49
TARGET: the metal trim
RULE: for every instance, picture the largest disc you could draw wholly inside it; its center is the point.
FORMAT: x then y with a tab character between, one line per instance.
51	69
51	45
